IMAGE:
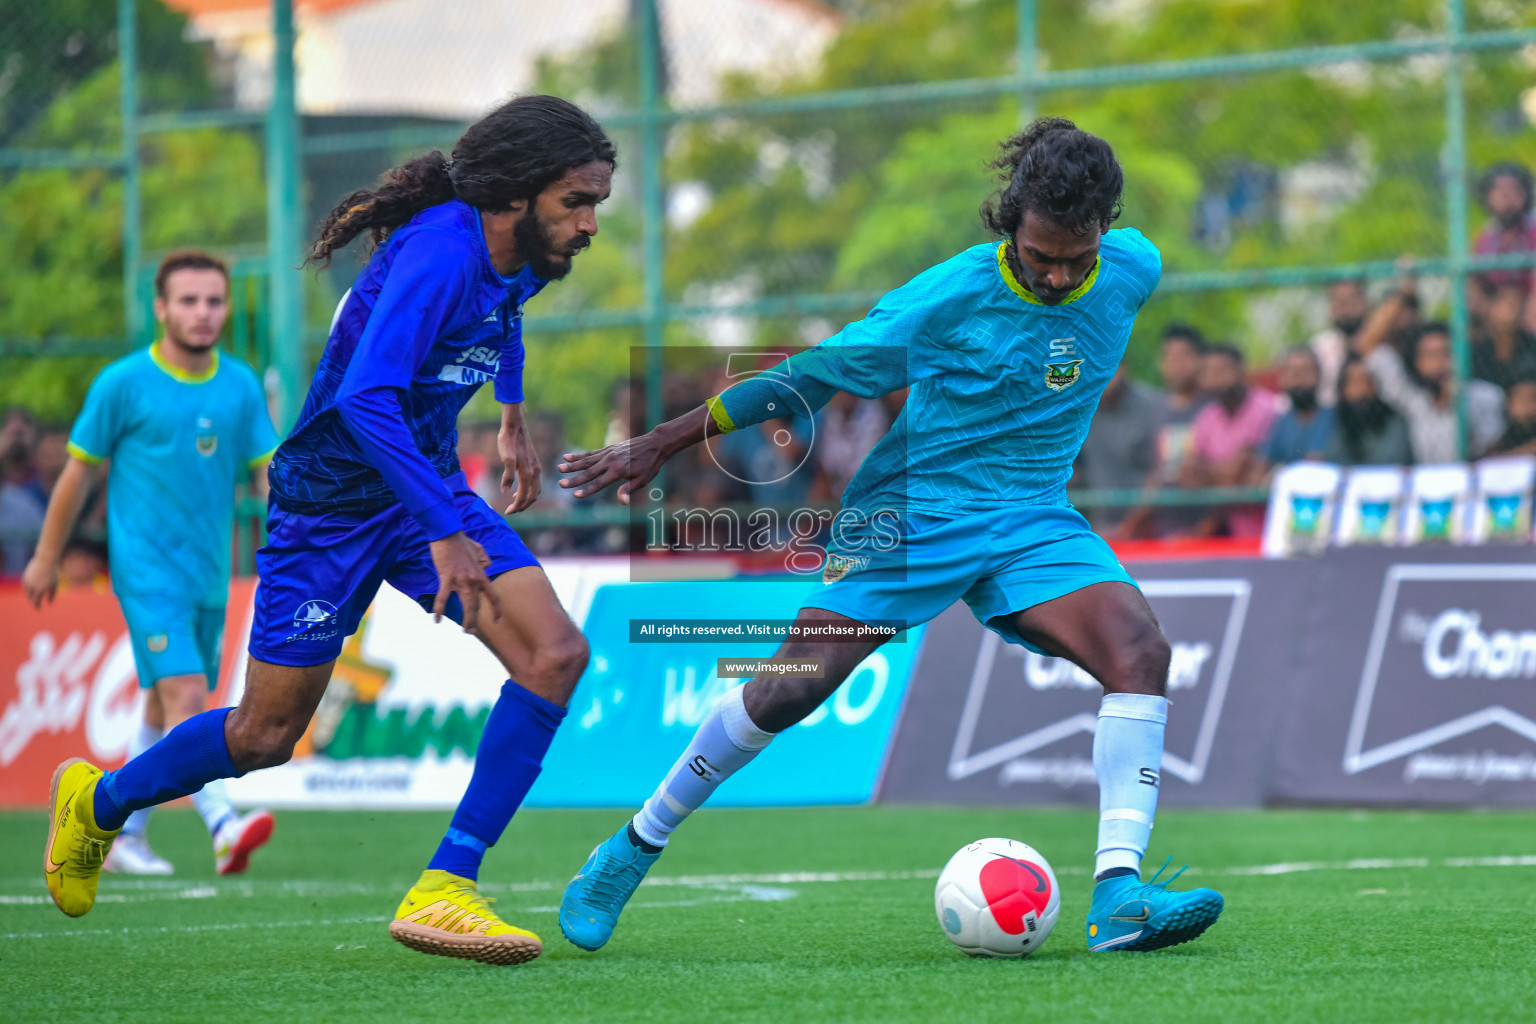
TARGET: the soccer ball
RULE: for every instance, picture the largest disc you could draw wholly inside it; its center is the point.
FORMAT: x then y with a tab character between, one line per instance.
997	897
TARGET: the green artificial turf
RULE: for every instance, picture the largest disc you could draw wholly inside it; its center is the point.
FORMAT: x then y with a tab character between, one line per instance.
302	937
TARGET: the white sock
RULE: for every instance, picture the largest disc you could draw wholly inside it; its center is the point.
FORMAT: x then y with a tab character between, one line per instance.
727	739
212	802
1128	759
144	737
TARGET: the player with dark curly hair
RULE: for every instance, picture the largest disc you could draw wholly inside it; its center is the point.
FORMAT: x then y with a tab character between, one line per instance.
1006	348
367	489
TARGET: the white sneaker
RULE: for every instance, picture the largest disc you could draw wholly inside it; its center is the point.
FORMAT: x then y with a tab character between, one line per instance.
237	838
131	855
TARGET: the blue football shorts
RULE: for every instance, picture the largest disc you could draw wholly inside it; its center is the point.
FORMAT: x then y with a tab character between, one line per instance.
172	638
998	562
319	573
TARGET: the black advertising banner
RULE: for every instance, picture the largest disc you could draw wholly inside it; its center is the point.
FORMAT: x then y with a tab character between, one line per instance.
990	722
1418	681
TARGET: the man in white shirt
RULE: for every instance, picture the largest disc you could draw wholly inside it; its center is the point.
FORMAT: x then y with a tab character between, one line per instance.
1427	397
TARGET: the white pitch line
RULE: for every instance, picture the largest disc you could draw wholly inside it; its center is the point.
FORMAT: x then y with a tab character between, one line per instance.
205	892
166	930
159	889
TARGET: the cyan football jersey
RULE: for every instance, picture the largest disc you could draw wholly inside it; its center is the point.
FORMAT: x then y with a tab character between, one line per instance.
178	443
1002	386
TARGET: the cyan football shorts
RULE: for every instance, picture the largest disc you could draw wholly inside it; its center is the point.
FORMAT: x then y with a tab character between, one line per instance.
998	562
319	573
173	638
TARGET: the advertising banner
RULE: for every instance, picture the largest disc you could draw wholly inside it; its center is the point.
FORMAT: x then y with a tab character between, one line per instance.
68	687
1438	506
639	704
1369	511
990	722
1502	507
1417	681
409	699
1301	509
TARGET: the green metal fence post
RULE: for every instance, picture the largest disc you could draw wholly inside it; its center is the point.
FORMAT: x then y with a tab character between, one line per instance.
135	324
1029	57
286	283
1456	207
651	204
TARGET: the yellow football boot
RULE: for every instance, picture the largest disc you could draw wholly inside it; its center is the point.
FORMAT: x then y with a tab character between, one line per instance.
76	847
445	915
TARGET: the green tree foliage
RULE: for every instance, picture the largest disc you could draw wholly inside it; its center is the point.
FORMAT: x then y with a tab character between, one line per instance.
61	235
863	199
49	49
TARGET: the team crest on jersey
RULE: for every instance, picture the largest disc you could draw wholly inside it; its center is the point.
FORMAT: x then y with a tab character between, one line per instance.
838	566
1060	376
207	440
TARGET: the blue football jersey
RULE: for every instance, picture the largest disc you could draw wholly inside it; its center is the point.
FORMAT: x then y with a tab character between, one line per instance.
1002	386
178	443
426	323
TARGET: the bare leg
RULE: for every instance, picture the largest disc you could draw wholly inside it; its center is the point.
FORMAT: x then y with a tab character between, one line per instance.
274	711
1106	629
544	654
1109	630
534	639
775	703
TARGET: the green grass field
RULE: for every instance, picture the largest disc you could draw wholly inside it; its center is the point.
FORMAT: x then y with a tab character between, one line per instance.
796	915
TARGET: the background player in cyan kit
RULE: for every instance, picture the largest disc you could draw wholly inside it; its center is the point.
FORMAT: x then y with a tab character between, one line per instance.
367	489
179	423
1007	348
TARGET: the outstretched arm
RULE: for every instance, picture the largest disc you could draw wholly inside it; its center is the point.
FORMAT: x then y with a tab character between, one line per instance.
637	461
40	580
870	358
1379	324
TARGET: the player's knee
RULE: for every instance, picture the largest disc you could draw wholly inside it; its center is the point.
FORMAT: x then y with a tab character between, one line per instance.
780	703
1140	663
561	662
183	700
261	744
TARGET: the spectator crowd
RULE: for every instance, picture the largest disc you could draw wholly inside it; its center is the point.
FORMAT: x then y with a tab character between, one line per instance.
1377	386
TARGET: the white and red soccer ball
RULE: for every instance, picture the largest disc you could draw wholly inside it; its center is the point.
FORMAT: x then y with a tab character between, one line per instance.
997	897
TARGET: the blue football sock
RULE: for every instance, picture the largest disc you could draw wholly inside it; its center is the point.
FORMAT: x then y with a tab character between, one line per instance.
511	752
192	755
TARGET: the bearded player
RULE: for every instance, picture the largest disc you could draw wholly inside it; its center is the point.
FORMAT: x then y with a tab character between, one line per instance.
180	423
1007	348
367	489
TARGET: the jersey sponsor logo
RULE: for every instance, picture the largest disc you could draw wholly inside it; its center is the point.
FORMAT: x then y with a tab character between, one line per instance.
207	440
473	367
1060	376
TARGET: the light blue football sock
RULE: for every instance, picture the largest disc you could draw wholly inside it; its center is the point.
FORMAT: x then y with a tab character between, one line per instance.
1128	759
726	740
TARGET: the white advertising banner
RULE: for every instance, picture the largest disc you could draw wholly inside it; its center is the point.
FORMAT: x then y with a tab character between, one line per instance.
1501	512
1301	509
1369	510
403	714
1437	508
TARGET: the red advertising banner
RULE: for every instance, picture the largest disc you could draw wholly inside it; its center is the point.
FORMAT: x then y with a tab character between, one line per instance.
68	687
